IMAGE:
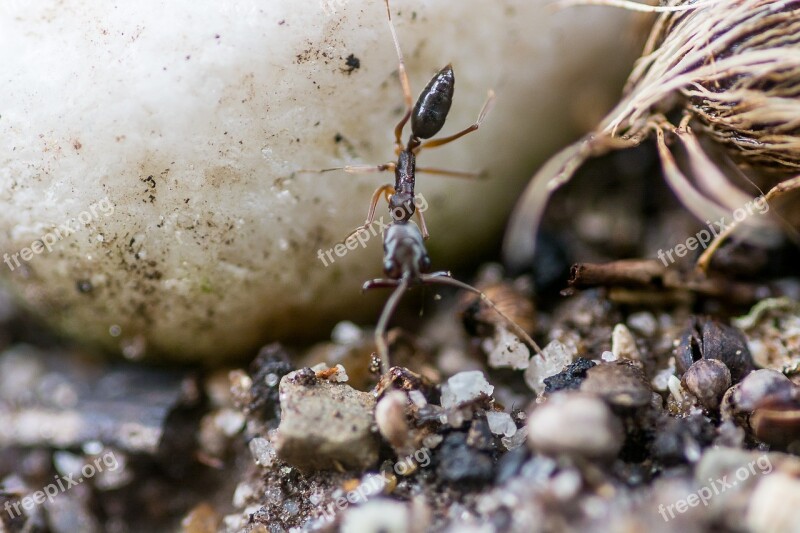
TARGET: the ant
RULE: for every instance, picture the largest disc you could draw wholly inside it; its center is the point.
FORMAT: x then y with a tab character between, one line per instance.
406	264
427	117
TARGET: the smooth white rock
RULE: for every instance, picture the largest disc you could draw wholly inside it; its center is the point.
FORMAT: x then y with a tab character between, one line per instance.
174	130
556	357
465	387
501	423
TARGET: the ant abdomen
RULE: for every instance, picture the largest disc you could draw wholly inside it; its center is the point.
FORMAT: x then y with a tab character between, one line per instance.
433	104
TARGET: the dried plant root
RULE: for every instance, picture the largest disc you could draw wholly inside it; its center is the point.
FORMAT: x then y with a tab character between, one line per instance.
780	189
734	69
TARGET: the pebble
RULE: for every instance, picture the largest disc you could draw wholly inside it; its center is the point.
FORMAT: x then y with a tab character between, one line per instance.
735	474
575	424
619	383
748	394
262	451
244	494
506	350
643	322
608	357
623	345
775	504
201	519
480	437
271	364
556	357
325	424
510	464
390	417
377	516
501	423
465	387
773	330
514	442
729	345
570	378
707	379
346	332
678	440
69	512
660	381
710	339
459	463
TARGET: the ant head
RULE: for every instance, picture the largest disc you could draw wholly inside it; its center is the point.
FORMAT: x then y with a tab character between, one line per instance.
404	253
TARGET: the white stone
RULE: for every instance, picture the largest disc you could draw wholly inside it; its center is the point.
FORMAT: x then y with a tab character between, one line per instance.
507	351
345	332
243	494
229	421
501	423
378	514
608	356
644	322
623	345
576	424
775	504
556	357
465	387
190	117
263	452
515	441
417	398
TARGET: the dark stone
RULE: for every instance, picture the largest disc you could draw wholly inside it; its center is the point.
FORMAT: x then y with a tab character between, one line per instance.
727	344
480	437
707	338
620	383
570	378
510	464
673	435
271	359
458	463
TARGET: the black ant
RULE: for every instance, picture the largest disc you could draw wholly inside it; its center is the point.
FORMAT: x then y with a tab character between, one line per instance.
405	264
427	117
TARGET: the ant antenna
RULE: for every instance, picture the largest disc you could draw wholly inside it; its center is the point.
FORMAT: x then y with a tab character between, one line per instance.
401	72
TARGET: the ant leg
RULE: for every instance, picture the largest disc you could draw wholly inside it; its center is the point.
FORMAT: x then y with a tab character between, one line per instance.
451	173
445	278
403	75
379	283
383	321
385	190
422	225
351	169
487	107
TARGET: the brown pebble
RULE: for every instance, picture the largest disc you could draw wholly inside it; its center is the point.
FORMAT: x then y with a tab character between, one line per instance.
776	421
201	519
707	379
706	338
620	383
390	417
